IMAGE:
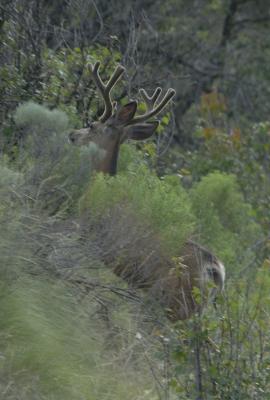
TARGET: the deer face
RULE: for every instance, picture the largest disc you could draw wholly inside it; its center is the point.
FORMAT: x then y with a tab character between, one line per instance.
119	123
115	130
85	136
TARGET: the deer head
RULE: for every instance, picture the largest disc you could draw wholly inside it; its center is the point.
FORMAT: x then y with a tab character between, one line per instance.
118	123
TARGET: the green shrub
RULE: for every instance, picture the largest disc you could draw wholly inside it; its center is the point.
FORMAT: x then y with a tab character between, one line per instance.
225	220
33	116
163	207
130	158
55	171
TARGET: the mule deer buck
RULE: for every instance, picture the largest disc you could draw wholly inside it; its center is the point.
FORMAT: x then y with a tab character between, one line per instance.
199	267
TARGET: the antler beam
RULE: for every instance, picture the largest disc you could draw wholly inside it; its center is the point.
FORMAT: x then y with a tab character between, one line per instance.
105	89
151	102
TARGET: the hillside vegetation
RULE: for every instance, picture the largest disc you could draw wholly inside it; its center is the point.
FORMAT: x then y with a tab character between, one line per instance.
70	327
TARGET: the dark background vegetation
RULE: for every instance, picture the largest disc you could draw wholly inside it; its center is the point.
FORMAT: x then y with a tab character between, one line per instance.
70	329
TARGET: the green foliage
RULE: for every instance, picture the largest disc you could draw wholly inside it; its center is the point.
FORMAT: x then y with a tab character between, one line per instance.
164	208
50	347
69	87
10	182
54	341
129	158
225	220
9	179
57	346
56	172
244	154
231	346
65	341
34	116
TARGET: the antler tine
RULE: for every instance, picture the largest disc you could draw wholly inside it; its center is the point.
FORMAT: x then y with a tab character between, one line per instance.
156	108
105	89
150	101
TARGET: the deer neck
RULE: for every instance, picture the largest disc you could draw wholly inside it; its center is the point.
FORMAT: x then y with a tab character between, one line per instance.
108	164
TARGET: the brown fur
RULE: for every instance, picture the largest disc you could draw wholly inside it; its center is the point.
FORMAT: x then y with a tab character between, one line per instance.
183	288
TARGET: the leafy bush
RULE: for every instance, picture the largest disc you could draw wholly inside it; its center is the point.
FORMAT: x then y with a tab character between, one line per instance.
55	171
244	153
225	220
164	208
34	116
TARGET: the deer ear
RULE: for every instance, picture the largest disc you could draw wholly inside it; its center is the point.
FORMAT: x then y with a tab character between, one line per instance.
142	131
126	113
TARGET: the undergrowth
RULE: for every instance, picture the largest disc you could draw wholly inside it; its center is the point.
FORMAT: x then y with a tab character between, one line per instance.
71	329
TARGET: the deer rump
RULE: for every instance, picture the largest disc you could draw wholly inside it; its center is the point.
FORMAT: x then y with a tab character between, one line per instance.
182	289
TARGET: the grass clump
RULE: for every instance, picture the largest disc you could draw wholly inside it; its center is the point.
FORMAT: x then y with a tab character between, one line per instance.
53	346
58	339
